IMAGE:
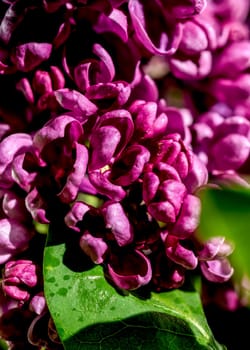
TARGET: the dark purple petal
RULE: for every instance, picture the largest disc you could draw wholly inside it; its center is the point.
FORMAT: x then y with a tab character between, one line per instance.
129	270
42	82
28	56
36	206
179	254
129	167
24	86
116	94
95	71
148	121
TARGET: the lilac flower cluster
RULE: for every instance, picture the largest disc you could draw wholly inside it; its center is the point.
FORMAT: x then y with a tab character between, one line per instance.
83	113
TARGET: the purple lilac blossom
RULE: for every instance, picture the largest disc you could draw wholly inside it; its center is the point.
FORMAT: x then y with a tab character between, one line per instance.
80	115
18	277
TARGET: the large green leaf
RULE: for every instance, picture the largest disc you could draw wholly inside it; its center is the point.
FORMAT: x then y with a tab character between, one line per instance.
90	314
226	212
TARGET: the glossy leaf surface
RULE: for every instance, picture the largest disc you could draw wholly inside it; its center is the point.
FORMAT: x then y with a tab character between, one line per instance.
90	314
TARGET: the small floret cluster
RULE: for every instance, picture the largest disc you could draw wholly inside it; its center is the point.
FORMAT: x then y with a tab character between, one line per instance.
138	105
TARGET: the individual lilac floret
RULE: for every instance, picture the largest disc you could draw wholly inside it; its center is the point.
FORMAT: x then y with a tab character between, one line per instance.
160	37
117	222
129	269
38	303
39	92
193	59
18	277
213	260
179	254
14	238
222	143
94	247
13	206
11	148
62	155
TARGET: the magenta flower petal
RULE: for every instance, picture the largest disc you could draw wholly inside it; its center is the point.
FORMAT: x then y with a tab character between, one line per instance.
36	206
22	177
185	8
115	22
38	303
104	142
23	270
130	165
233	60
162	211
215	247
12	145
110	136
73	100
118	223
218	270
230	152
52	130
104	186
28	56
76	214
174	192
179	254
116	94
194	39
188	219
14	207
18	277
197	176
94	247
151	183
14	238
159	41
74	179
129	270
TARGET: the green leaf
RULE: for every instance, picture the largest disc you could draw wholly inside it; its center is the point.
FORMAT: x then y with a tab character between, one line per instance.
90	314
3	345
226	212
